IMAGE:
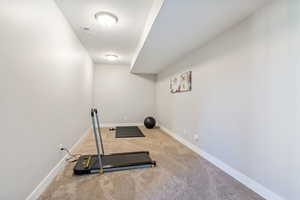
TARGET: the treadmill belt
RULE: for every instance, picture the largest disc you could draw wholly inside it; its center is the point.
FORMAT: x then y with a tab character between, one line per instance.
126	159
89	164
128	131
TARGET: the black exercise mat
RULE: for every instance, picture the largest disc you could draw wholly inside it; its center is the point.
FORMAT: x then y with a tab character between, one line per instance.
128	131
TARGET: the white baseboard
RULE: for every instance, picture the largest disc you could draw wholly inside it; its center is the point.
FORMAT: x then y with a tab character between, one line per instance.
247	181
52	174
109	125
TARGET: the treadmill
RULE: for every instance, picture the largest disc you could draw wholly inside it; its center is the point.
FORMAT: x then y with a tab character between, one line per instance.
101	163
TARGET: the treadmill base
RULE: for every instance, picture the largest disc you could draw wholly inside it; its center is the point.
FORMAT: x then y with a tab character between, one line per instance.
89	164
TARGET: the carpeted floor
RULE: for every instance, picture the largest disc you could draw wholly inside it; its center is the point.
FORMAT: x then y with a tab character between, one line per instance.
180	174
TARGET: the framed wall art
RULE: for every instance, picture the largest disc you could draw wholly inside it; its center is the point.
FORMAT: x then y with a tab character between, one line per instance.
181	83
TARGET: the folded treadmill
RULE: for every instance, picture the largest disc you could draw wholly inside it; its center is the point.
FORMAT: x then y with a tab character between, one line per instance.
101	163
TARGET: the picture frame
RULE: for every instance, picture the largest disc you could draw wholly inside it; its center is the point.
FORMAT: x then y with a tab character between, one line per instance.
181	83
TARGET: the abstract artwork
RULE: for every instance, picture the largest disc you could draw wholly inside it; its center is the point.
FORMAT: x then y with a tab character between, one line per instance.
181	83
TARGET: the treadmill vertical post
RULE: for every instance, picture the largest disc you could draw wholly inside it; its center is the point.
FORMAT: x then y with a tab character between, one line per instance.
99	131
97	142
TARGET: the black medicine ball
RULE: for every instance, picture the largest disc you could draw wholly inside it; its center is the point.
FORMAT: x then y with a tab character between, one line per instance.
149	122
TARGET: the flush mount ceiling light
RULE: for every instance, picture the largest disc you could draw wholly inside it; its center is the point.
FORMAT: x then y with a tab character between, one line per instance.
111	57
106	19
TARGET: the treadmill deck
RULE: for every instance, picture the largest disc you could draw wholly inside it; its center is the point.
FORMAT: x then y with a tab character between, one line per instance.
88	164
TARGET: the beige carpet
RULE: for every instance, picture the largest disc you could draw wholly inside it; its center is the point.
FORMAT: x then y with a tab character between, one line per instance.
180	174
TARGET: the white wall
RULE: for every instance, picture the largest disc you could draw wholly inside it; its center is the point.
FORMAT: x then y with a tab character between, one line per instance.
245	101
123	97
45	92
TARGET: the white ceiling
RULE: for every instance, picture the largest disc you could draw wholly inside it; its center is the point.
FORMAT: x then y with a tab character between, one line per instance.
182	26
122	39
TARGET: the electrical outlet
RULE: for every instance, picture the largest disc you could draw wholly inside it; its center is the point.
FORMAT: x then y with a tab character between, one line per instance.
196	137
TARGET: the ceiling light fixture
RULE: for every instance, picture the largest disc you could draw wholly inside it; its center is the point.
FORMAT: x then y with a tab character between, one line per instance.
111	57
106	19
